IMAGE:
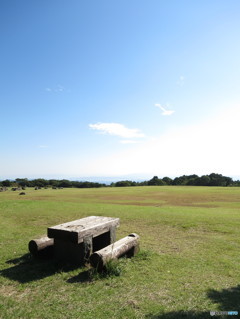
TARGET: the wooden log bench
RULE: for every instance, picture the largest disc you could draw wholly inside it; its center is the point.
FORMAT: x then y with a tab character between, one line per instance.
127	246
42	246
75	241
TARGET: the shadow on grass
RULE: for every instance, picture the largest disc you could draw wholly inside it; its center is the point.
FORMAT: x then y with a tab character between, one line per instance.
228	300
180	315
20	260
113	268
27	268
82	277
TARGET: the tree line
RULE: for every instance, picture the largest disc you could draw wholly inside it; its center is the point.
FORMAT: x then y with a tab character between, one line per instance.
191	180
186	180
41	182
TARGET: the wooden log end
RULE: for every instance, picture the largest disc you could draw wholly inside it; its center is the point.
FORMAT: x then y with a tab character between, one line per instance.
134	235
41	247
33	248
96	261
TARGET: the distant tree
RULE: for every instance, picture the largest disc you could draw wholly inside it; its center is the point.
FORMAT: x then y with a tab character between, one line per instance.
167	180
64	183
23	182
144	183
219	180
75	184
53	182
236	183
124	184
182	180
6	183
228	180
97	185
192	179
39	182
204	180
186	180
155	181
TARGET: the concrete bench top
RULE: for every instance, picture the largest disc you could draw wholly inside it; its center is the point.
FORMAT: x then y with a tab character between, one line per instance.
77	230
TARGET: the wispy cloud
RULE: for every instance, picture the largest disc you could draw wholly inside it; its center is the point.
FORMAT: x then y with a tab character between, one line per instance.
116	129
164	111
58	88
181	80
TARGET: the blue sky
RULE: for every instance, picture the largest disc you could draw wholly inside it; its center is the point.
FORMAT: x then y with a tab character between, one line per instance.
116	88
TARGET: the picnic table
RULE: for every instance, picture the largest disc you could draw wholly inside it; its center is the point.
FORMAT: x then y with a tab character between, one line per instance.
75	241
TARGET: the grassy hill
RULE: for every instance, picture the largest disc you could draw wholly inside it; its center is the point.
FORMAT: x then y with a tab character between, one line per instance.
187	267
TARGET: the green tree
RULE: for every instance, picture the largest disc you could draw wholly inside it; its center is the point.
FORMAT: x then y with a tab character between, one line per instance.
219	180
155	181
204	180
23	182
6	183
65	183
167	180
124	184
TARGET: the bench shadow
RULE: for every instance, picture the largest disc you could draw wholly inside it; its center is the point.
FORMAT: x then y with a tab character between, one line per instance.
28	268
180	315
227	300
19	260
82	277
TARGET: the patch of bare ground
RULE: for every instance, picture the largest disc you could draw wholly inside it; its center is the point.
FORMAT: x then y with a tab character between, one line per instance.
11	291
7	291
158	199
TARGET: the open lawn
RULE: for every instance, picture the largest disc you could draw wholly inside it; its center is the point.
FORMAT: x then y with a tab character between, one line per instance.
189	262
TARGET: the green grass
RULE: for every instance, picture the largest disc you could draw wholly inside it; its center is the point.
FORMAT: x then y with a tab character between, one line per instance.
188	264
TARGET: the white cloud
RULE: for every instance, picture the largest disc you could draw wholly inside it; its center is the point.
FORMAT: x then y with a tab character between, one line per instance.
117	130
164	111
58	88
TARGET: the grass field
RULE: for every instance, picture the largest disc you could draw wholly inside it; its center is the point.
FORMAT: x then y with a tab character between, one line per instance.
189	262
